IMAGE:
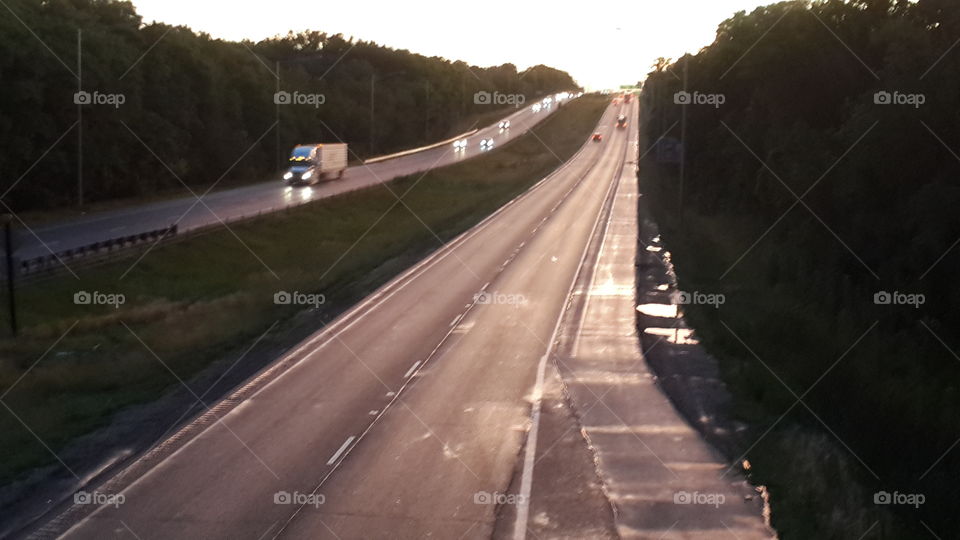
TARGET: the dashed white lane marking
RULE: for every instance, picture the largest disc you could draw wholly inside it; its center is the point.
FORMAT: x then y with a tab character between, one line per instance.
412	369
346	446
343	447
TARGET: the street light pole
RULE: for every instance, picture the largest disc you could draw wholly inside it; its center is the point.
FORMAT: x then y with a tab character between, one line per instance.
683	140
79	120
8	246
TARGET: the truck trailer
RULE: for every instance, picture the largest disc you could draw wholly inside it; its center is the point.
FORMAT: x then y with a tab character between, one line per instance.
311	163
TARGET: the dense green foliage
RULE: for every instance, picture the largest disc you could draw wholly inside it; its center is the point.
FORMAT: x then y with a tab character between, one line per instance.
206	107
799	113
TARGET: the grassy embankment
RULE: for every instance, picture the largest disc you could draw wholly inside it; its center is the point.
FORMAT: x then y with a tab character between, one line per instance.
209	297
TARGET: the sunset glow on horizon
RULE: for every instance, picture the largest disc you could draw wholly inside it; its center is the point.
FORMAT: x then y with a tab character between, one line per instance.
600	46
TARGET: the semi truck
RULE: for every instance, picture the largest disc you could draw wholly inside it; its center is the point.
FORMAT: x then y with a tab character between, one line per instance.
311	163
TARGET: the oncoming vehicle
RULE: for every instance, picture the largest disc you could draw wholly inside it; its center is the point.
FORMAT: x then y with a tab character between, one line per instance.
486	144
598	137
460	145
310	163
505	124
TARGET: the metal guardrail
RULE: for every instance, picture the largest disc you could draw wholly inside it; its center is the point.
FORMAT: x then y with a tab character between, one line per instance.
420	149
52	261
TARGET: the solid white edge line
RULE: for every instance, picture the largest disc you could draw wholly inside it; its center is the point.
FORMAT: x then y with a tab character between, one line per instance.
526	479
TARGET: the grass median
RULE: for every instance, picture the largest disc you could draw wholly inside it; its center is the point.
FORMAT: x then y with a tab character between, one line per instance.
190	303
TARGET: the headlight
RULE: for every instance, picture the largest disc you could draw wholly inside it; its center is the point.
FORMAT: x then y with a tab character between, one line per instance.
288	176
306	175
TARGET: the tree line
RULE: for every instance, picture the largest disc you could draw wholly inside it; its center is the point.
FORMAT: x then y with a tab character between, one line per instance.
824	136
148	106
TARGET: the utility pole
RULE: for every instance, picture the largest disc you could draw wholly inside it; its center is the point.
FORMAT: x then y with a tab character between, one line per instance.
373	117
683	140
8	245
279	155
373	78
79	122
426	114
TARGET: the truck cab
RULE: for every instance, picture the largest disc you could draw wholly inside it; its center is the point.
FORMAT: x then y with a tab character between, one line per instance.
311	163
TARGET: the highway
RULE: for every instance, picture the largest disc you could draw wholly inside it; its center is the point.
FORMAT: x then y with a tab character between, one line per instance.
398	418
399	411
230	204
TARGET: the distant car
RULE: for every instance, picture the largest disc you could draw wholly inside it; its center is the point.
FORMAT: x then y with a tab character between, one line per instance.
505	124
536	107
486	144
459	146
622	121
597	137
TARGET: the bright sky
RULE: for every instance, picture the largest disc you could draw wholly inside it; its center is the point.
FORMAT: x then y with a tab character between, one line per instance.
601	44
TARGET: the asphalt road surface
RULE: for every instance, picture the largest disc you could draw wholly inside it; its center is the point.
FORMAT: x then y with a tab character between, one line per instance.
227	205
404	418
